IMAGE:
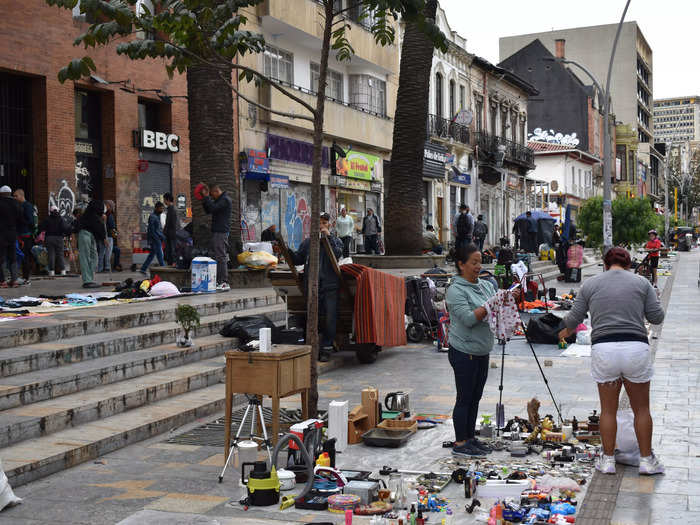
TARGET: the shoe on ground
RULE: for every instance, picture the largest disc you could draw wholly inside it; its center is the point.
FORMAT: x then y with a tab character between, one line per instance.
477	443
324	357
467	451
223	287
51	273
91	285
63	272
13	284
3	284
650	466
605	464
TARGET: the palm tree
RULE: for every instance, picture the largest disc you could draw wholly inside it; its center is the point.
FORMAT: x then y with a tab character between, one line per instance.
404	187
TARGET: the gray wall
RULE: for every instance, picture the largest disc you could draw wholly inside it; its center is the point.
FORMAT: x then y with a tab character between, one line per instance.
591	46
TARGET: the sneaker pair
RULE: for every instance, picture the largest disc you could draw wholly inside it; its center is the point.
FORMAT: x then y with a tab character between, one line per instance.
223	287
470	449
648	466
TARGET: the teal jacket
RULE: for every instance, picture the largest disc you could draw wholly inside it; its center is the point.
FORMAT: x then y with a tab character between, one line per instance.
467	334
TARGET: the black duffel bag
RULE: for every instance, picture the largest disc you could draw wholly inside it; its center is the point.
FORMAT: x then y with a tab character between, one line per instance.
246	328
545	330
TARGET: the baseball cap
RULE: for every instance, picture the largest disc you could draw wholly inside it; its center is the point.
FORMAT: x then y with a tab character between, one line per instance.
5	189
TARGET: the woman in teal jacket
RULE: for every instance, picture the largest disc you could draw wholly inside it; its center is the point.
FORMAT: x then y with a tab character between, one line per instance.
470	343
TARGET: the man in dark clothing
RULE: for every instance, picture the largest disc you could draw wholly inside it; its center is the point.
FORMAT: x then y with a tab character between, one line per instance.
464	227
10	217
328	283
91	231
480	232
217	203
371	229
170	229
531	232
25	233
55	229
268	235
155	238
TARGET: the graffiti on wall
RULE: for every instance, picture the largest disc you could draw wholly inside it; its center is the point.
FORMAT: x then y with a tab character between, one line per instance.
270	211
82	182
542	135
63	199
297	217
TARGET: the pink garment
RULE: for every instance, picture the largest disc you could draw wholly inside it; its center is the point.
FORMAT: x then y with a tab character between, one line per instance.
502	314
574	256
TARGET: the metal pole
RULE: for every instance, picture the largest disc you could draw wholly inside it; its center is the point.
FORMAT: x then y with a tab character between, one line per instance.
667	174
607	154
675	203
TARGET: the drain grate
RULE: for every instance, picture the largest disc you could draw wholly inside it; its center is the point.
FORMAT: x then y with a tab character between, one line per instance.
212	434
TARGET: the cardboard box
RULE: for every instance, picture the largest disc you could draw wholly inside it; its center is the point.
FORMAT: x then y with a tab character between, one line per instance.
370	405
358	424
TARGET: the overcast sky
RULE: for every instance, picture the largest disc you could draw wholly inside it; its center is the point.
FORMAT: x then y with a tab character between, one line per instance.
670	27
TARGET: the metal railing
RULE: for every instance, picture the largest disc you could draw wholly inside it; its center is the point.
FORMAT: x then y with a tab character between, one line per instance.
446	129
514	152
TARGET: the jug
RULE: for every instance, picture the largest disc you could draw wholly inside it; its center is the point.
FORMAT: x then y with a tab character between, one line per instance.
396	402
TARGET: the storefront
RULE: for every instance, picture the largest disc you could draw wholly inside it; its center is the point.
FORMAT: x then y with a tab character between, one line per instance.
435	159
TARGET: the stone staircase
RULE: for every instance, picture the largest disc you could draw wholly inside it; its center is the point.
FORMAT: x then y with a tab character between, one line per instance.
80	384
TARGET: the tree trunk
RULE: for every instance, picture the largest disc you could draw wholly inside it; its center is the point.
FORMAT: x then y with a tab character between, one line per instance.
312	279
403	208
211	125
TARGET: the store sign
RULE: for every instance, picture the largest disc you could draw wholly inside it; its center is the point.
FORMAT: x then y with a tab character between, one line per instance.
358	165
376	187
86	148
354	184
435	157
257	161
279	181
460	177
291	150
157	140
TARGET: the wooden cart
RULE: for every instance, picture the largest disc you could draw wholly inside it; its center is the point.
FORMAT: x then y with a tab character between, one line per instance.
288	284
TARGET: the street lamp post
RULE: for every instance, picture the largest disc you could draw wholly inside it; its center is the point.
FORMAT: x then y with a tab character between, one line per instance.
607	152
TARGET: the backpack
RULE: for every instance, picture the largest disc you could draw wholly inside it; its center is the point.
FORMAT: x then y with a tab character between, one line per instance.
464	227
479	230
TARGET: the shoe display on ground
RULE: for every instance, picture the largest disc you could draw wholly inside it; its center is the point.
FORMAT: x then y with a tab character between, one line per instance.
476	443
650	466
223	287
467	450
605	464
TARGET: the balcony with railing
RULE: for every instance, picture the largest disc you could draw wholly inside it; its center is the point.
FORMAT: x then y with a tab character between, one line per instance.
445	129
515	153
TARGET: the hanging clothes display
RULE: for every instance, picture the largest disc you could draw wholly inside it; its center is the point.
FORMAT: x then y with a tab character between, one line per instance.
502	314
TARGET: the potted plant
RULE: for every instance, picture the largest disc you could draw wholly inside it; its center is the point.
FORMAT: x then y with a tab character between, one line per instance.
187	317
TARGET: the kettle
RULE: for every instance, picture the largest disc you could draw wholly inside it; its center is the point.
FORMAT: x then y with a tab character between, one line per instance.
396	402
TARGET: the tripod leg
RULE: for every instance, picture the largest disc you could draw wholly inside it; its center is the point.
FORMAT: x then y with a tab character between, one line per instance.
264	429
235	443
230	455
500	415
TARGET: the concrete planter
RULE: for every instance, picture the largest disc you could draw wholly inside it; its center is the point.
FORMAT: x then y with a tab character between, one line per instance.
236	278
384	262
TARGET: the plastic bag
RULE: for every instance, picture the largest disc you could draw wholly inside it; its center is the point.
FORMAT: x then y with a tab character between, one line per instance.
246	328
626	446
548	483
164	288
257	260
546	330
583	337
7	497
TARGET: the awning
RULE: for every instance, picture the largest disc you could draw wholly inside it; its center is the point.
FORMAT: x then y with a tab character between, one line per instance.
256	175
276	181
459	177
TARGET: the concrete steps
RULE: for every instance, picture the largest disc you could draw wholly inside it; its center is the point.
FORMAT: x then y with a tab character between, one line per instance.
82	383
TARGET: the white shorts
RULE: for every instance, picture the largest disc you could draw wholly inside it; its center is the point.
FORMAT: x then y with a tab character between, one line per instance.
630	360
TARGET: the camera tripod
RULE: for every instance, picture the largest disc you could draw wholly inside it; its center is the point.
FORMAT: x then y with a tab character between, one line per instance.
254	405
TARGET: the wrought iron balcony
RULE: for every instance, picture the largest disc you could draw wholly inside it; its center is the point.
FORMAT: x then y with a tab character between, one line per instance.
446	129
515	153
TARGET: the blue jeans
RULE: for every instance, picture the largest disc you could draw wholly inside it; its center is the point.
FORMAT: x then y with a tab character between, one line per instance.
328	307
371	244
471	372
155	250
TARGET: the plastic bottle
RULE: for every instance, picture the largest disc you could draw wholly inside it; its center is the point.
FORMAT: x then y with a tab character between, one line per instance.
324	460
412	515
420	520
348	516
449	520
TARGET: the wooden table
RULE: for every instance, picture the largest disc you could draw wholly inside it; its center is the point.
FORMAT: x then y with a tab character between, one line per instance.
282	372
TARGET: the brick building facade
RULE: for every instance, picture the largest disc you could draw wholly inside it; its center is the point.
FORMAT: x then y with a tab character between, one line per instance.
68	143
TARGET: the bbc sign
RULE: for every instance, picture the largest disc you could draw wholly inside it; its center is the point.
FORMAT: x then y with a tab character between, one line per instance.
156	140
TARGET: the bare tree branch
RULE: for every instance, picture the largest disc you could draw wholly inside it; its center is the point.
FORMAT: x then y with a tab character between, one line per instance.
261	106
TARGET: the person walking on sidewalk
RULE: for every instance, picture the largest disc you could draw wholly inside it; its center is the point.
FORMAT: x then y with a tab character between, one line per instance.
55	230
480	232
463	227
10	217
217	203
171	227
155	238
344	226
653	246
371	229
25	233
104	251
619	302
470	343
91	232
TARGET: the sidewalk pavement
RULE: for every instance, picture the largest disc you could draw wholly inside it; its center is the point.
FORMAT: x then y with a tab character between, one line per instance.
675	396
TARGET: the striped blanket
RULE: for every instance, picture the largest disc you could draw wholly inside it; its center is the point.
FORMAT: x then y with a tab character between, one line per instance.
380	303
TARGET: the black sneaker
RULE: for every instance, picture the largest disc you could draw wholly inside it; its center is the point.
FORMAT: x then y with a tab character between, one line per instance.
481	445
324	357
467	450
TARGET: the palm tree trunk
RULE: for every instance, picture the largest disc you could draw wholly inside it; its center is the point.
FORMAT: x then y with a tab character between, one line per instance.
211	125
403	207
312	298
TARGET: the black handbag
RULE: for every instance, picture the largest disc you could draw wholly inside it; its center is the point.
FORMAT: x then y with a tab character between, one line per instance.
545	330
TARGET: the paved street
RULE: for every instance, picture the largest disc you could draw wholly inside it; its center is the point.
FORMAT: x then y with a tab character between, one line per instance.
158	482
